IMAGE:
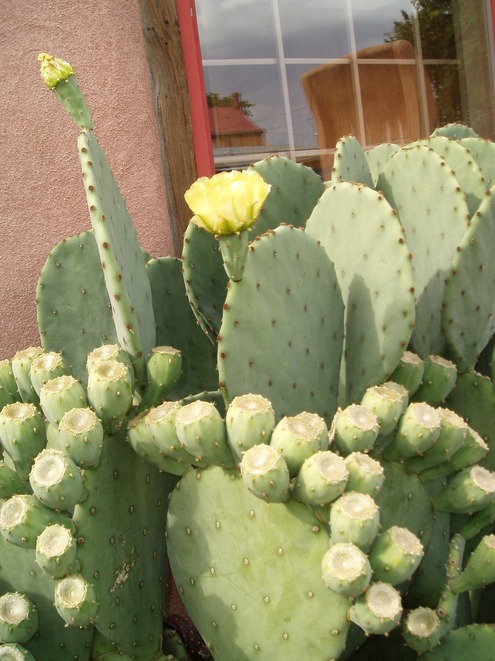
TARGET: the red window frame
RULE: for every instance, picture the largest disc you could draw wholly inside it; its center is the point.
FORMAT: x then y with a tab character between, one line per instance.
186	12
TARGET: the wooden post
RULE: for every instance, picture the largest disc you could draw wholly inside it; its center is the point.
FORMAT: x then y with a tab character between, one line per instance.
171	103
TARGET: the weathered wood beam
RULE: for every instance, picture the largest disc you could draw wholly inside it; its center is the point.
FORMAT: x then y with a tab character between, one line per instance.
171	103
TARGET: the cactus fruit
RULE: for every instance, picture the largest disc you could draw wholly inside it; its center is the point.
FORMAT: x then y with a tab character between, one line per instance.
19	619
265	473
249	421
378	610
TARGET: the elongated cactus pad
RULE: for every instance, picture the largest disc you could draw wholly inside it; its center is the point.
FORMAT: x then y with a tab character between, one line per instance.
121	258
299	314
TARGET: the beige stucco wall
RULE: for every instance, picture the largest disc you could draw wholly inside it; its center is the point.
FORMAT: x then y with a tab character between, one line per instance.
41	194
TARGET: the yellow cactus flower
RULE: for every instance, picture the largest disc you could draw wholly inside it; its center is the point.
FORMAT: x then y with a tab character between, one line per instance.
228	202
54	70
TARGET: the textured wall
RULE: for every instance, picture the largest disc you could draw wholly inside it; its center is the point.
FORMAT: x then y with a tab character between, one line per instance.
41	194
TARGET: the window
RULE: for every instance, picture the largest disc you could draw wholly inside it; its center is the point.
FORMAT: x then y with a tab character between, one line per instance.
291	76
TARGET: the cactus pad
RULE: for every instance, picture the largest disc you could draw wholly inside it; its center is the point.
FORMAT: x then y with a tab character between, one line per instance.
121	257
469	303
431	207
221	539
298	313
70	280
364	240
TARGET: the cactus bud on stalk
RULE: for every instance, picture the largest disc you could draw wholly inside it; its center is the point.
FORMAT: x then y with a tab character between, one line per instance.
8	385
201	431
46	366
366	475
354	429
21	368
395	555
470	490
386	404
409	372
163	370
58	76
479	569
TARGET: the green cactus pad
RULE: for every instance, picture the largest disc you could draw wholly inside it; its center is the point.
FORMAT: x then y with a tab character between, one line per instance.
473	398
221	539
121	258
467	171
295	189
483	152
350	162
121	546
455	130
474	641
431	207
364	240
176	326
378	156
469	304
72	279
298	314
204	277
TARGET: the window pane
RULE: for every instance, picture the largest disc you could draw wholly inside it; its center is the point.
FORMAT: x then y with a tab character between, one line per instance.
236	29
314	28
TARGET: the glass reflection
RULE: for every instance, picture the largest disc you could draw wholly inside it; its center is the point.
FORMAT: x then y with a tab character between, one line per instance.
399	68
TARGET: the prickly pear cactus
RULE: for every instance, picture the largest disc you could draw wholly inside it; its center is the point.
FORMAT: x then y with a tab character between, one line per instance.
348	470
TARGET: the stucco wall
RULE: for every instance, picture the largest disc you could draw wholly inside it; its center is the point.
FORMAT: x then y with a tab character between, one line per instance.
41	194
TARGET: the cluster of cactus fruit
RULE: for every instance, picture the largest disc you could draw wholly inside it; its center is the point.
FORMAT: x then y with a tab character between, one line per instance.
298	416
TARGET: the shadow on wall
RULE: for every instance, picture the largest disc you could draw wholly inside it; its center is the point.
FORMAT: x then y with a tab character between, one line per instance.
397	103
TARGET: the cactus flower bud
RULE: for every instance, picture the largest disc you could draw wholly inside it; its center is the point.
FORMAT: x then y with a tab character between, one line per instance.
53	70
228	202
59	77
